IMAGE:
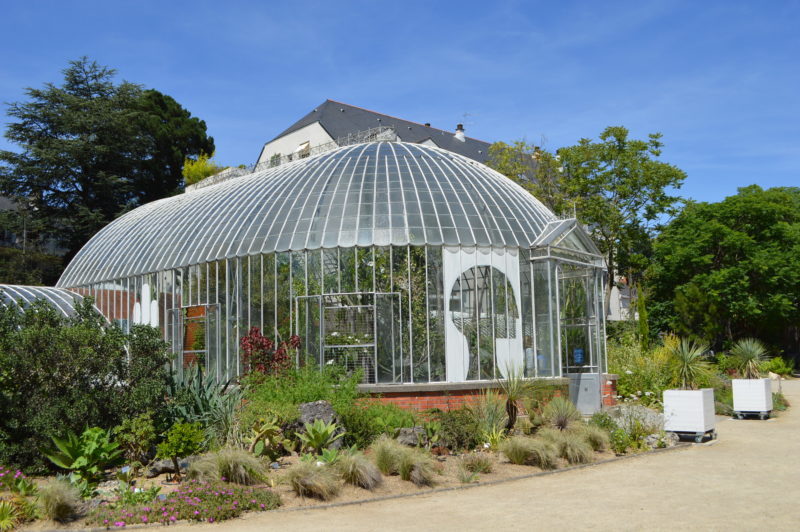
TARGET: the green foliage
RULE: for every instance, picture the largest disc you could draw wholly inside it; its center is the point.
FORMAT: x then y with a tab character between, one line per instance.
692	370
477	462
61	374
86	456
728	270
136	436
199	168
779	366
365	422
59	500
227	465
643	375
28	267
16	482
573	447
309	480
9	516
538	452
643	325
459	430
319	435
620	441
560	413
493	438
465	476
750	355
127	495
357	470
266	439
183	439
604	421
194	501
90	149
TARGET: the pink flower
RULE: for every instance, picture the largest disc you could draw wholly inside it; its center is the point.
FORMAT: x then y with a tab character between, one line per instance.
210	519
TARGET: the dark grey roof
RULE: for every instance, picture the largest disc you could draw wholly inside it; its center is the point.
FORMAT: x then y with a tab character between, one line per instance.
340	119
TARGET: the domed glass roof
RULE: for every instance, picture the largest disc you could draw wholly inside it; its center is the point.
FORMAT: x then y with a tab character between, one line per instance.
381	193
62	300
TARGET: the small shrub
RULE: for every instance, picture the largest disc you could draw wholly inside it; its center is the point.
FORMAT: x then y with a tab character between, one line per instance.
572	447
620	441
604	421
560	413
530	451
16	482
136	436
779	366
357	470
477	462
596	437
489	412
458	429
387	453
364	422
59	500
183	439
309	480
227	465
195	501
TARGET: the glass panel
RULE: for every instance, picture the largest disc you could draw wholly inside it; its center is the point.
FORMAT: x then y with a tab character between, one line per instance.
347	269
388	341
283	296
268	285
419	314
543	310
400	284
436	313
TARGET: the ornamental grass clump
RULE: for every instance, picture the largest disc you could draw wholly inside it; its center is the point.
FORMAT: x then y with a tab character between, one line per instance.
228	465
307	479
195	501
59	500
387	453
597	438
418	467
357	470
477	462
530	451
560	413
572	447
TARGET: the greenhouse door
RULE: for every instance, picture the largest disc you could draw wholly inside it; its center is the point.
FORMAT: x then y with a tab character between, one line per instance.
193	333
358	331
579	305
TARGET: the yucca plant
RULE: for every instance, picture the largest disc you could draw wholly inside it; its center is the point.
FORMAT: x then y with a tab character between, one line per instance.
514	387
691	367
750	354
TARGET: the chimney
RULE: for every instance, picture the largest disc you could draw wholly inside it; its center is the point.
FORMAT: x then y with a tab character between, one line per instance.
460	132
427	124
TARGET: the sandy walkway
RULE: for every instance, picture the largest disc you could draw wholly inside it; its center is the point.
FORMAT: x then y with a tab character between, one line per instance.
748	479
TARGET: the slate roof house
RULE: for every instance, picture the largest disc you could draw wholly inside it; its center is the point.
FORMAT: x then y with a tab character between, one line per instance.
334	121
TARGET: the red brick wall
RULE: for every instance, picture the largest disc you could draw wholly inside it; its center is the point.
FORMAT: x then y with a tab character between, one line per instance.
443	400
608	390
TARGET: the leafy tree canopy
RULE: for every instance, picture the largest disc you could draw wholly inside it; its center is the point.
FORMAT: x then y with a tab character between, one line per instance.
92	149
616	186
729	270
203	166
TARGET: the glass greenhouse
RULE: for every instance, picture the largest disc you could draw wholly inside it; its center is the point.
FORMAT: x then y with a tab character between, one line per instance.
411	263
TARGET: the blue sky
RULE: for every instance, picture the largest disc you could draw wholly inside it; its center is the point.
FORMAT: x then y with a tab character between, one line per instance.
720	80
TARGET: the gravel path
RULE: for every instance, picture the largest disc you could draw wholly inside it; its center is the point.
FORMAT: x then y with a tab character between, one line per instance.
746	480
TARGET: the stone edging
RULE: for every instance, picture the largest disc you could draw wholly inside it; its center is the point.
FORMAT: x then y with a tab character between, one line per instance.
684	445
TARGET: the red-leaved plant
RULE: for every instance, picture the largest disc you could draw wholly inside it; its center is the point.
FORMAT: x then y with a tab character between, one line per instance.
261	355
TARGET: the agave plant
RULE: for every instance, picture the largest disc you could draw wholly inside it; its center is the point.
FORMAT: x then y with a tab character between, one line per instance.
691	367
319	435
749	354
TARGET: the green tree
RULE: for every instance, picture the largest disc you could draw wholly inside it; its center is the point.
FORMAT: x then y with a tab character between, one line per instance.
197	169
91	149
729	270
617	187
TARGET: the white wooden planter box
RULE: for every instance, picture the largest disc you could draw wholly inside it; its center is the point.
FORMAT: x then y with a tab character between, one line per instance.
752	395
689	410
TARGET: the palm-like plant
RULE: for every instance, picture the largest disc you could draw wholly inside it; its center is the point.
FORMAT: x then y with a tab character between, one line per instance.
749	354
691	367
514	386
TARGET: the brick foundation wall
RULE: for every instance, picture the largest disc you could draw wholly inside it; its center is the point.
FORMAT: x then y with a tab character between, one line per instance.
608	390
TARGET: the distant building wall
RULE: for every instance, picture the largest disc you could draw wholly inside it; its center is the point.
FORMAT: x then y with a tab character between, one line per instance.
314	134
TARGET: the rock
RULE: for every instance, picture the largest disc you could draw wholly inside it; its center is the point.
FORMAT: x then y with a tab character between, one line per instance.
165	466
626	415
412	436
310	412
274	465
661	440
